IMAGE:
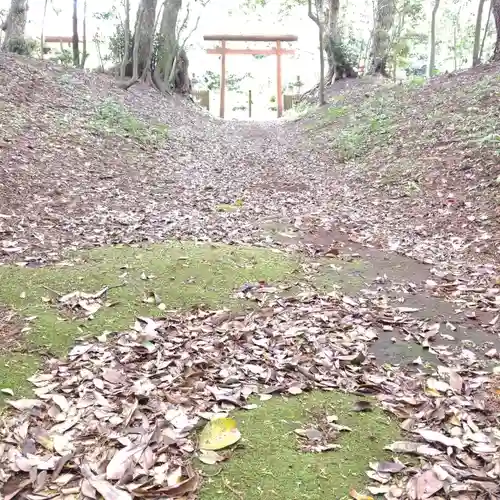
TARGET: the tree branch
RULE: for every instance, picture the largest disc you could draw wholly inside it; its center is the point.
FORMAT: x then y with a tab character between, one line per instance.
310	12
184	23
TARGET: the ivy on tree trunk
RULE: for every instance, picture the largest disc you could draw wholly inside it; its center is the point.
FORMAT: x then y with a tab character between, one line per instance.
381	38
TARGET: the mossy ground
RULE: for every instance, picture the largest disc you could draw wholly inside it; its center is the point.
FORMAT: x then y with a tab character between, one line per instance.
270	464
183	275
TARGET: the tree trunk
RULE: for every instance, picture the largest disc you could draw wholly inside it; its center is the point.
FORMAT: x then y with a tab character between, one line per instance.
14	26
84	39
431	66
126	34
321	94
135	52
495	9
42	35
315	16
455	41
456	37
477	34
331	38
485	34
147	73
381	44
144	32
76	39
179	78
339	65
169	46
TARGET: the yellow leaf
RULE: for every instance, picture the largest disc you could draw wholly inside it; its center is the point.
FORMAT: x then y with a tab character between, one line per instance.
358	496
432	392
43	438
219	433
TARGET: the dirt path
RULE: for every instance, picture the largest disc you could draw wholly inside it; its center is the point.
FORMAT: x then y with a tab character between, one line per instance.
442	327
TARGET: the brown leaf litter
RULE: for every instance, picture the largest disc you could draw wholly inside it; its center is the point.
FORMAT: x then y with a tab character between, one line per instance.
82	304
139	396
117	418
65	186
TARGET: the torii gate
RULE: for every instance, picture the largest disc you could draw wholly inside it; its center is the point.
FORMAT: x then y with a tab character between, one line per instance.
222	50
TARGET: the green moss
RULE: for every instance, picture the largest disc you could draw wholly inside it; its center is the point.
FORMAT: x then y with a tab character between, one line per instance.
270	464
15	368
183	275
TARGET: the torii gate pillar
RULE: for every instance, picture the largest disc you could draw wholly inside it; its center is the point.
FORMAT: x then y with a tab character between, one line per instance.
278	51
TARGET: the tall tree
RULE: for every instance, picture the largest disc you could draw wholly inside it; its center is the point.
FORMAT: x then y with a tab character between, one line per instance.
84	38
164	61
42	34
76	39
495	9
14	27
381	37
476	59
126	50
431	66
331	38
144	32
169	46
315	13
486	30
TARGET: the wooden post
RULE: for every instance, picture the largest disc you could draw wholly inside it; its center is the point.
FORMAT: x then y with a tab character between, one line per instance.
249	104
279	96
222	79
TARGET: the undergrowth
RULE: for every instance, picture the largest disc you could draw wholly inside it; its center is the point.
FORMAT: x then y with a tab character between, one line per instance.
112	118
368	126
388	116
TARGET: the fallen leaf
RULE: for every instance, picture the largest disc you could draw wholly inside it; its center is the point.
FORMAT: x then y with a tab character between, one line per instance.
439	437
24	404
392	467
358	496
106	489
424	485
219	433
413	448
122	461
210	457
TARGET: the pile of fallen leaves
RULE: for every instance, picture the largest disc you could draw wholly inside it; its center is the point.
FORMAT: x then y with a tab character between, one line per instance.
118	417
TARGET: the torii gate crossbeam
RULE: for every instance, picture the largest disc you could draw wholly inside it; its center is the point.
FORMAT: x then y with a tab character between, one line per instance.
278	51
